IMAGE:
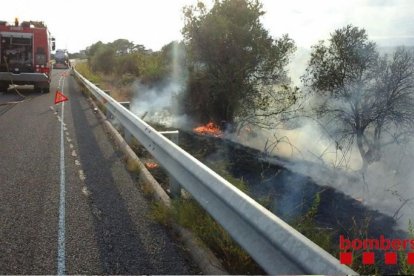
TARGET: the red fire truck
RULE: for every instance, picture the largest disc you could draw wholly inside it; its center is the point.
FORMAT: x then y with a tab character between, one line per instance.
25	55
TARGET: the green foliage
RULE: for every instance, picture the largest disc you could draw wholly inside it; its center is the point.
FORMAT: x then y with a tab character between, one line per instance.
122	46
91	50
127	79
307	226
231	59
190	215
85	71
359	230
348	58
103	60
152	68
127	64
128	61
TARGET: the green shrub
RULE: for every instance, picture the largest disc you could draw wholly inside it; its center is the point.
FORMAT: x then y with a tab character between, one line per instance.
191	215
307	226
103	60
84	70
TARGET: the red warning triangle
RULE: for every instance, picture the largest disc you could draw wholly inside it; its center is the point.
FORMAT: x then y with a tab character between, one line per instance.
59	97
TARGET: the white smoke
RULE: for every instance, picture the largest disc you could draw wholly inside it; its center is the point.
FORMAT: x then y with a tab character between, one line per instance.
387	185
159	103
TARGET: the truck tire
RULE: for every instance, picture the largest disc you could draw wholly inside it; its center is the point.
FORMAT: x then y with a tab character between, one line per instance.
46	89
42	89
4	87
37	89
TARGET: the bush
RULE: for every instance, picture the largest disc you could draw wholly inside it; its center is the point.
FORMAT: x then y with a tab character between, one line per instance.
103	60
127	64
85	71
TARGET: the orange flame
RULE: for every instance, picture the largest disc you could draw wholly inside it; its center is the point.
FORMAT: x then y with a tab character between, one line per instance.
209	129
151	165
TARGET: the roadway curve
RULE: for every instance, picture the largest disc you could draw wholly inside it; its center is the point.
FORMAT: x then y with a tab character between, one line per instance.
107	227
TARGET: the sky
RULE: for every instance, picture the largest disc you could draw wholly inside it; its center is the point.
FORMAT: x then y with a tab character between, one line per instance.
77	24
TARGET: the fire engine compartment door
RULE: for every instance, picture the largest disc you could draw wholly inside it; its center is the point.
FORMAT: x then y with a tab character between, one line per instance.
17	49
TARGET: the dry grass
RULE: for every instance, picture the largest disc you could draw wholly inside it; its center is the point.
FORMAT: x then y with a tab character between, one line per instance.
119	90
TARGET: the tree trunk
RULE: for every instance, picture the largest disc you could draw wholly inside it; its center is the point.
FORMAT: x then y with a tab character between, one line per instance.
362	152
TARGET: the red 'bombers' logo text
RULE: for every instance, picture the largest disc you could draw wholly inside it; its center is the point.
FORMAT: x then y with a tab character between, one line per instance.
389	246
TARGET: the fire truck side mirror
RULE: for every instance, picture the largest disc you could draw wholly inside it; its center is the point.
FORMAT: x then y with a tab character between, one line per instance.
53	44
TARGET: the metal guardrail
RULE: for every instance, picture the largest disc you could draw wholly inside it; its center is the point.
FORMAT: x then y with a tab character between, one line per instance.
272	243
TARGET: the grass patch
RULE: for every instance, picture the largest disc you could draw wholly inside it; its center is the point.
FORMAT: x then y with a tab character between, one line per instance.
85	71
307	226
189	214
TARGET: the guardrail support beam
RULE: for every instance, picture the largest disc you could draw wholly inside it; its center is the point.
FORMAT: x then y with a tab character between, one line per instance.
127	136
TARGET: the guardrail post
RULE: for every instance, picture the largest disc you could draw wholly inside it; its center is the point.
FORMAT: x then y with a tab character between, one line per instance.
175	186
127	136
108	113
126	104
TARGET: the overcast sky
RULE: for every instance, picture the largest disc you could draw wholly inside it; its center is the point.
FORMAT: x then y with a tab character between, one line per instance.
77	24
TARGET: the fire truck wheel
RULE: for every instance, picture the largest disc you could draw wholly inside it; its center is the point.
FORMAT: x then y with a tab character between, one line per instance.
42	89
4	87
37	89
46	89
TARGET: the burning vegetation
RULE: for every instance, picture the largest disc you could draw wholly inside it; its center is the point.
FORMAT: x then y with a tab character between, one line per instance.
209	129
151	165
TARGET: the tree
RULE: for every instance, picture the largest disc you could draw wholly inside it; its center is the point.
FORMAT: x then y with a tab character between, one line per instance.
122	46
128	64
366	97
234	64
103	59
91	50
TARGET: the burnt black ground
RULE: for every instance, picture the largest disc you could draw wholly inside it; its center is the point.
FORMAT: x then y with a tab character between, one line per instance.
290	195
108	224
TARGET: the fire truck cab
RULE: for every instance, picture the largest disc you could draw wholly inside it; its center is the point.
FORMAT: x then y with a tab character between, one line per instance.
25	55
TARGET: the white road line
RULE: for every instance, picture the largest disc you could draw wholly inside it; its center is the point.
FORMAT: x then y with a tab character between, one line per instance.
85	191
74	153
61	227
82	175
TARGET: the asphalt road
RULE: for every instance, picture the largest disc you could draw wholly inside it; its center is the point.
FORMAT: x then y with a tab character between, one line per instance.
67	203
